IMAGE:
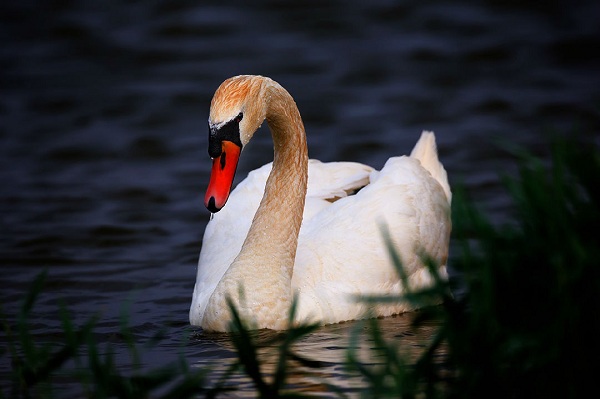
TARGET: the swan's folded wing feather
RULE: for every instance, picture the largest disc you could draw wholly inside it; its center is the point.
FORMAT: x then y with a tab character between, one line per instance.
334	180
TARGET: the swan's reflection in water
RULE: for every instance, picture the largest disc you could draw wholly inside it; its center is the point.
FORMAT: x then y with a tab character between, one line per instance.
327	346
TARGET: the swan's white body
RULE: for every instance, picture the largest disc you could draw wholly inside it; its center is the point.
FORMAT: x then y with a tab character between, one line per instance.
341	253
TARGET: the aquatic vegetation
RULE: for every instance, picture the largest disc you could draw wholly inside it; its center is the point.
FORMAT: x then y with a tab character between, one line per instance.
528	325
524	324
81	359
246	345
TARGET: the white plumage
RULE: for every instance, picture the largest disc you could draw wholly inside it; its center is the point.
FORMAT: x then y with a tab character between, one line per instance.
341	253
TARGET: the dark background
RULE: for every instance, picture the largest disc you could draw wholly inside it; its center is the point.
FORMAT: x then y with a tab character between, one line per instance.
103	110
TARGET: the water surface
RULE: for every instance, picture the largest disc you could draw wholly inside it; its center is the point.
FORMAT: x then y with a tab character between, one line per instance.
103	111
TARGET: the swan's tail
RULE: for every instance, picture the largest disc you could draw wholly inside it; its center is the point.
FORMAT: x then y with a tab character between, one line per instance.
426	152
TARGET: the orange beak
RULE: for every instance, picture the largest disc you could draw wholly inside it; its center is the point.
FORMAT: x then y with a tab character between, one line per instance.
221	176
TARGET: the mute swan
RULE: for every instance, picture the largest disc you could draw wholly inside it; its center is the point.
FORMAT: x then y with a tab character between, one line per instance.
331	253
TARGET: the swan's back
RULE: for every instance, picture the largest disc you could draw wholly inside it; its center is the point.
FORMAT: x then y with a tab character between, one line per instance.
341	250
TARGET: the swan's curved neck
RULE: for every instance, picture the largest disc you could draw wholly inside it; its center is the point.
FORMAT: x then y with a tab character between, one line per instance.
264	266
277	221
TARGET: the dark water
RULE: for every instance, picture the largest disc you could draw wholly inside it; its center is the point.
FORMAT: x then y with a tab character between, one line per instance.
103	110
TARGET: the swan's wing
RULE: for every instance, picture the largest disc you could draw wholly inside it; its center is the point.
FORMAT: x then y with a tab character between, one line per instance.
334	180
341	249
328	182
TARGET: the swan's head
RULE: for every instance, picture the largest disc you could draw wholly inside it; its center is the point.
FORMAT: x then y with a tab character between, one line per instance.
237	110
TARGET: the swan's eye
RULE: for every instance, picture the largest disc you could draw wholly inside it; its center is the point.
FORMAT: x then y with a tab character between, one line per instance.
239	118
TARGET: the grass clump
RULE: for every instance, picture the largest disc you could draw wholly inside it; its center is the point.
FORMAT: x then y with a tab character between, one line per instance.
396	374
272	383
92	371
81	361
527	325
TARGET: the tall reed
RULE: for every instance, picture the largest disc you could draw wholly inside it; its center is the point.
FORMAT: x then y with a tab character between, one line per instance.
528	324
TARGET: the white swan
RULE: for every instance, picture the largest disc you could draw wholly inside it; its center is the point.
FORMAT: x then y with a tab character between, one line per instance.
334	250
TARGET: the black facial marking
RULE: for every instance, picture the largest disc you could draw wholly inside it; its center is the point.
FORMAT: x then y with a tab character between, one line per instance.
228	132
